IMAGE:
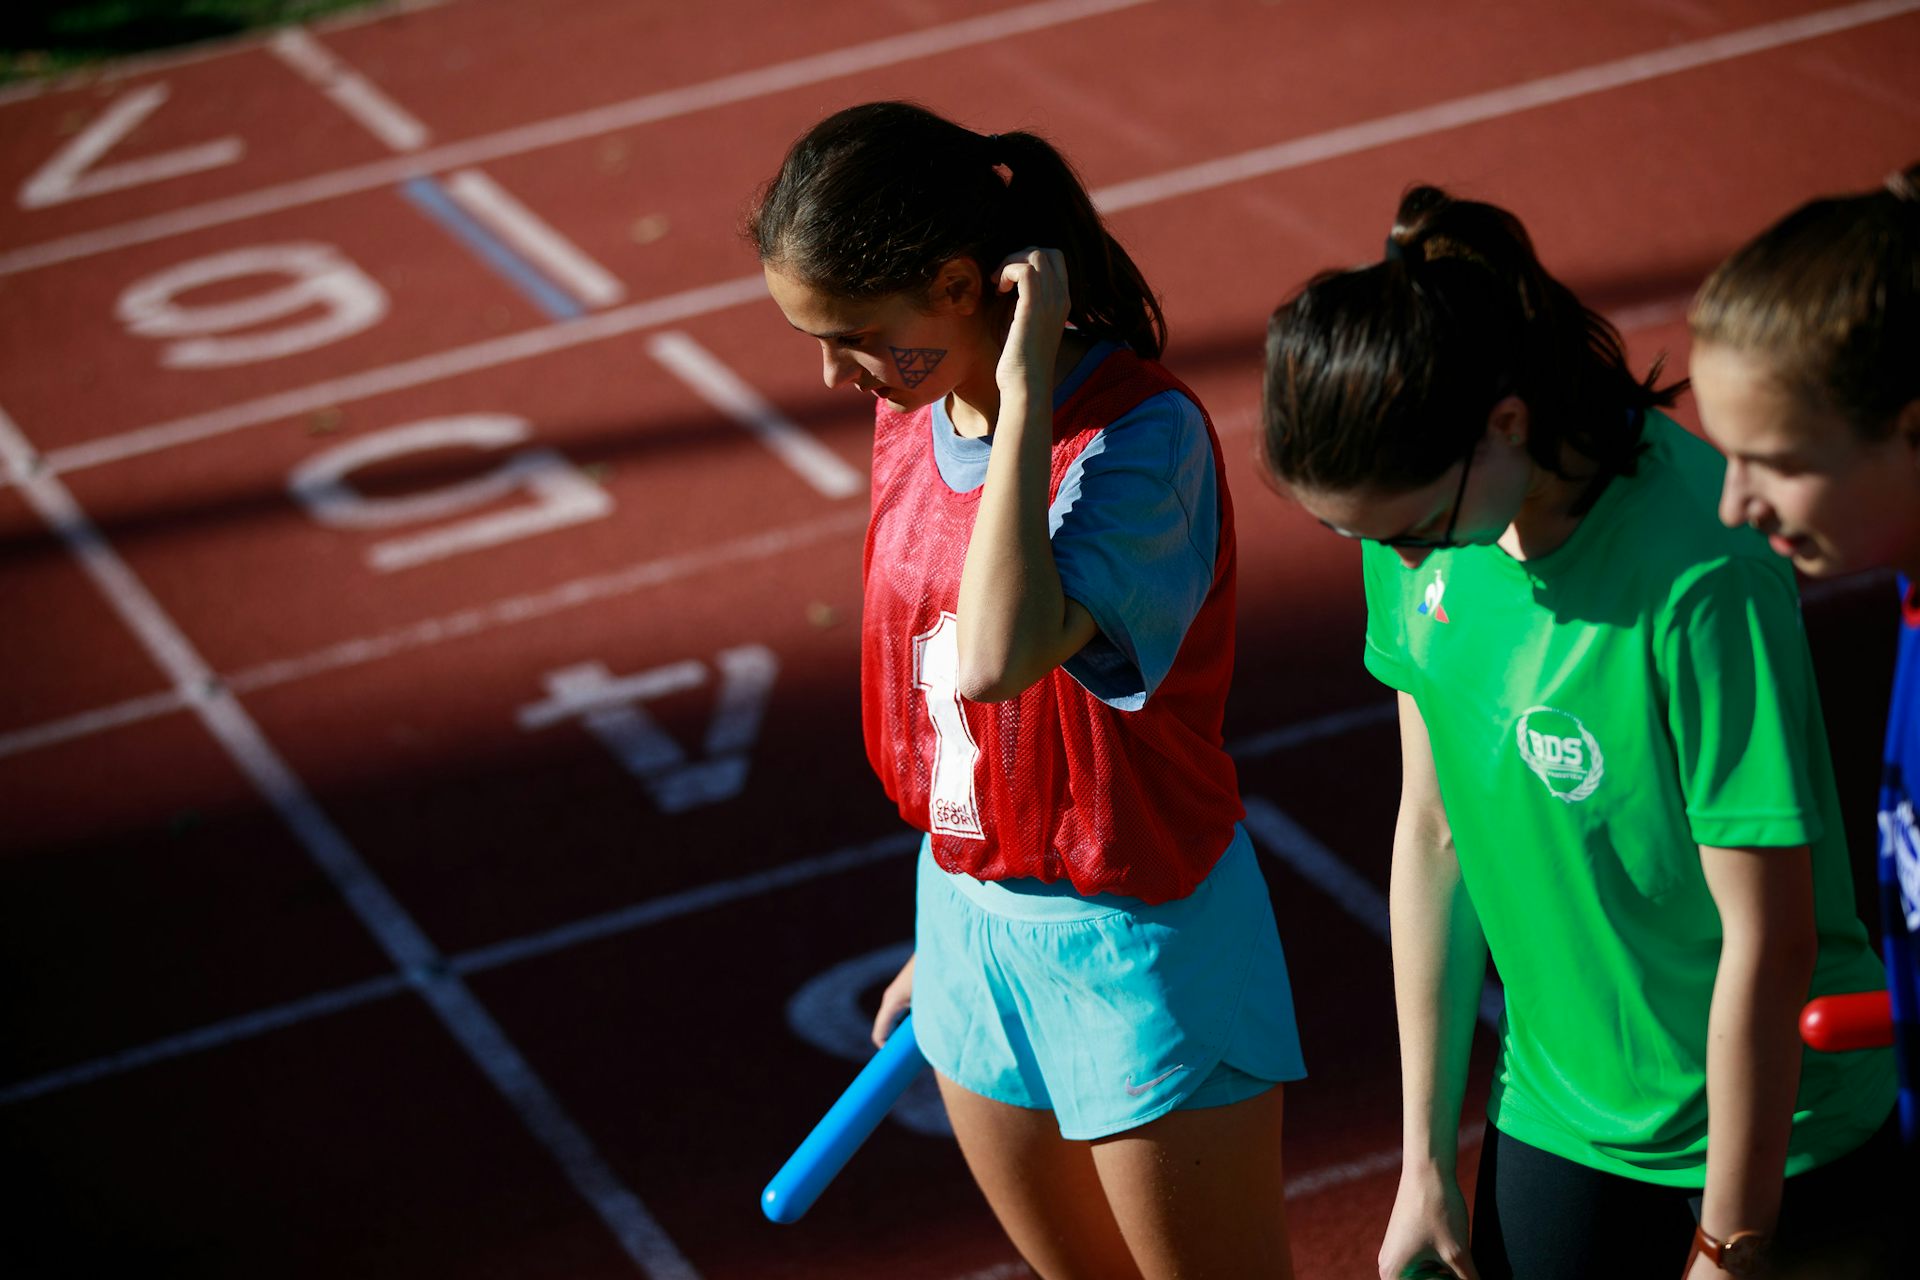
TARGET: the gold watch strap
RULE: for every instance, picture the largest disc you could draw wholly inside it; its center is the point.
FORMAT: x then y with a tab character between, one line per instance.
1716	1251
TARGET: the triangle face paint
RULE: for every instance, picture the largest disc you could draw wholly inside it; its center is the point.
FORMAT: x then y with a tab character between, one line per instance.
915	363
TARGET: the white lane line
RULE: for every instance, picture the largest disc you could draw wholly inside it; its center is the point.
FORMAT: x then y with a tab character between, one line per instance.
673	906
88	723
623	920
1341	1174
212	1036
1319	866
740	87
420	371
122	69
537	241
935	40
1365	1167
652	573
720	387
1346	140
472	1027
1626	320
1328	726
352	92
642	576
425	370
1492	105
526	608
506	612
671	309
609	924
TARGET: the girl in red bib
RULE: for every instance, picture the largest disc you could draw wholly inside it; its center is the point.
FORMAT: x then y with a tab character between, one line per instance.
1047	641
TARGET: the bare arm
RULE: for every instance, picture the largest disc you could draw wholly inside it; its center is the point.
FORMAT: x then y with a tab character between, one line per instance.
1015	621
1767	954
1439	966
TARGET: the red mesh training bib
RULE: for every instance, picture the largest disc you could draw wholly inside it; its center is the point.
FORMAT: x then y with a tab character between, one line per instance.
1054	783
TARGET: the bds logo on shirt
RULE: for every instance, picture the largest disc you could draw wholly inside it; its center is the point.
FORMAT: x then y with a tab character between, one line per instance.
1561	753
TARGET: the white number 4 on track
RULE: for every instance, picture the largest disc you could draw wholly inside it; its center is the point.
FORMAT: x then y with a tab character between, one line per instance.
612	709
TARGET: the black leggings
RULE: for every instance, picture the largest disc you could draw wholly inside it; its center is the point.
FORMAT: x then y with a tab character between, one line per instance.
1537	1216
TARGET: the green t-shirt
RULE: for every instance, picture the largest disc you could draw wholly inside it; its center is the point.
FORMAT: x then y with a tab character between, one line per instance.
1596	714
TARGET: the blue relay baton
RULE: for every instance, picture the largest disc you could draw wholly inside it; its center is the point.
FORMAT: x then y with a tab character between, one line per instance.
847	1124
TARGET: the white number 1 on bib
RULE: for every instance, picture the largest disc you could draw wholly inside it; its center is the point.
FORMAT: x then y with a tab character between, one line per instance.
951	807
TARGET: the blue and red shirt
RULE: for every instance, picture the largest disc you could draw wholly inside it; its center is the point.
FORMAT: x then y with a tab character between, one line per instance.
1110	772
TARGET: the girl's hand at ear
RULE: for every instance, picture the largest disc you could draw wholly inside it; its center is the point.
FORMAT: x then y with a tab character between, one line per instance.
1038	279
1015	621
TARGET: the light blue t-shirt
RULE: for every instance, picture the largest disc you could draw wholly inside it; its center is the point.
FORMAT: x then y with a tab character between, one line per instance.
1135	527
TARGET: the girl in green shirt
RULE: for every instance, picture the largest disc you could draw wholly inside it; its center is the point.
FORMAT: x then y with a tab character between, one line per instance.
1614	782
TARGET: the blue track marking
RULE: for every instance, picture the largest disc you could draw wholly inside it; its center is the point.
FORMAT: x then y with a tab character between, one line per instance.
432	199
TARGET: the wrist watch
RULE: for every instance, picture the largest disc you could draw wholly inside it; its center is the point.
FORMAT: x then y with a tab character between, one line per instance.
1744	1253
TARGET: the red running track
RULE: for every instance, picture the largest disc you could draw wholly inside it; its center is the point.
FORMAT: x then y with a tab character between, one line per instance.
437	839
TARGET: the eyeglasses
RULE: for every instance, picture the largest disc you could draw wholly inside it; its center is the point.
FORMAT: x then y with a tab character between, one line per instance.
1419	542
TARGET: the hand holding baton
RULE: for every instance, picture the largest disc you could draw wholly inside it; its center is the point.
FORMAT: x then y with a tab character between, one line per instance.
846	1125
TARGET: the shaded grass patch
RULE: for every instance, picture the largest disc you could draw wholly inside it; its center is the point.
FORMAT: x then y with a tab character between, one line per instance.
48	37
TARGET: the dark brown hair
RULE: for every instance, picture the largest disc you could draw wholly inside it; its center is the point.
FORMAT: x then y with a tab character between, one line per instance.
873	199
1383	376
1829	297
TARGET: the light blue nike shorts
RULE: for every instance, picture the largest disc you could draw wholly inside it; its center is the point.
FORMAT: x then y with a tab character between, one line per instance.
1104	1010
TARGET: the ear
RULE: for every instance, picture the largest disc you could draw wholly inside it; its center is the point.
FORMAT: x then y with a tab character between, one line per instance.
956	288
1509	421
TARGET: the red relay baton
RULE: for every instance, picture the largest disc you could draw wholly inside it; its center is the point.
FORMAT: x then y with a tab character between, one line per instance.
1838	1024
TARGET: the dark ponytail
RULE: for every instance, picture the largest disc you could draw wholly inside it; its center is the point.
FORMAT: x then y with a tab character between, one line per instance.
1829	297
1383	376
873	199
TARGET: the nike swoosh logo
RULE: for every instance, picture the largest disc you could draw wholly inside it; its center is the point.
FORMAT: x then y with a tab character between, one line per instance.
1135	1090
